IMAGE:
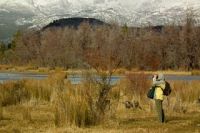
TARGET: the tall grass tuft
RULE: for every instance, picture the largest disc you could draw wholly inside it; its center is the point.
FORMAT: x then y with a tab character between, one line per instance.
13	93
39	89
16	92
81	109
187	91
74	105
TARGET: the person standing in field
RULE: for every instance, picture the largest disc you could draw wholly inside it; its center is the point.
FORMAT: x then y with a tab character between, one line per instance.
160	85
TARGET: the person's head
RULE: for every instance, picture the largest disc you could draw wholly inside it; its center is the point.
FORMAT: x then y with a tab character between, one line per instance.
160	77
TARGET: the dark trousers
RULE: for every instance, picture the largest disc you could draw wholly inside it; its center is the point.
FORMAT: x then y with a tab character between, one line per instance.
160	111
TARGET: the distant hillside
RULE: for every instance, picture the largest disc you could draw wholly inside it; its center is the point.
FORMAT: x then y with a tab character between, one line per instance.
74	22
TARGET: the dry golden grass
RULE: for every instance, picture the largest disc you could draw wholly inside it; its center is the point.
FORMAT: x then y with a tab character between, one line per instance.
156	72
56	105
195	72
30	68
5	67
127	121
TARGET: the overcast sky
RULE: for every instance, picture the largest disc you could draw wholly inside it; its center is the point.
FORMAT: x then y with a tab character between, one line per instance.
129	4
123	2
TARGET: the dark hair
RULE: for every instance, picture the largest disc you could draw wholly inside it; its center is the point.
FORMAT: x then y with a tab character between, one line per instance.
155	75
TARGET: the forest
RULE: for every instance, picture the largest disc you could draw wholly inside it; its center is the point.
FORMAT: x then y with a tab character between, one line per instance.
166	47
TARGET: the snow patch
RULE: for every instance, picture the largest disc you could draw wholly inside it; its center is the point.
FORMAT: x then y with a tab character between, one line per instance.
4	10
131	12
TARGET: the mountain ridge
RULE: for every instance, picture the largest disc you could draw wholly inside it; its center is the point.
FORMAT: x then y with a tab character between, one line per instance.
38	13
130	12
73	22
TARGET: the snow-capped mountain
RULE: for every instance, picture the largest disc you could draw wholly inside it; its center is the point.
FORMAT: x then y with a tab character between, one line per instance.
37	13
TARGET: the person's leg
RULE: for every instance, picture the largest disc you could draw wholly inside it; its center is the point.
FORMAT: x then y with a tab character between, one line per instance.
163	115
160	110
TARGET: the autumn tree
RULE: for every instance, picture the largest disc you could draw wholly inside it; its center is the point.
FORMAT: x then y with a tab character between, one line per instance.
190	41
103	55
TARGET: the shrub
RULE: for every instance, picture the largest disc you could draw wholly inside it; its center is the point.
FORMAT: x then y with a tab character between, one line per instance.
13	93
137	85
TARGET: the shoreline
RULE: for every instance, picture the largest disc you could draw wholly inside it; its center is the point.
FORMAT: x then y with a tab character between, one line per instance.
79	71
119	71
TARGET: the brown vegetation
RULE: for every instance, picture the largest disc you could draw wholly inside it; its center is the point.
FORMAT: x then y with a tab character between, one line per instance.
148	48
57	102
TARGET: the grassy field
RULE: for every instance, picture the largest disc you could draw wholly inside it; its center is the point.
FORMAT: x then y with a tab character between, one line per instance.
55	105
41	119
